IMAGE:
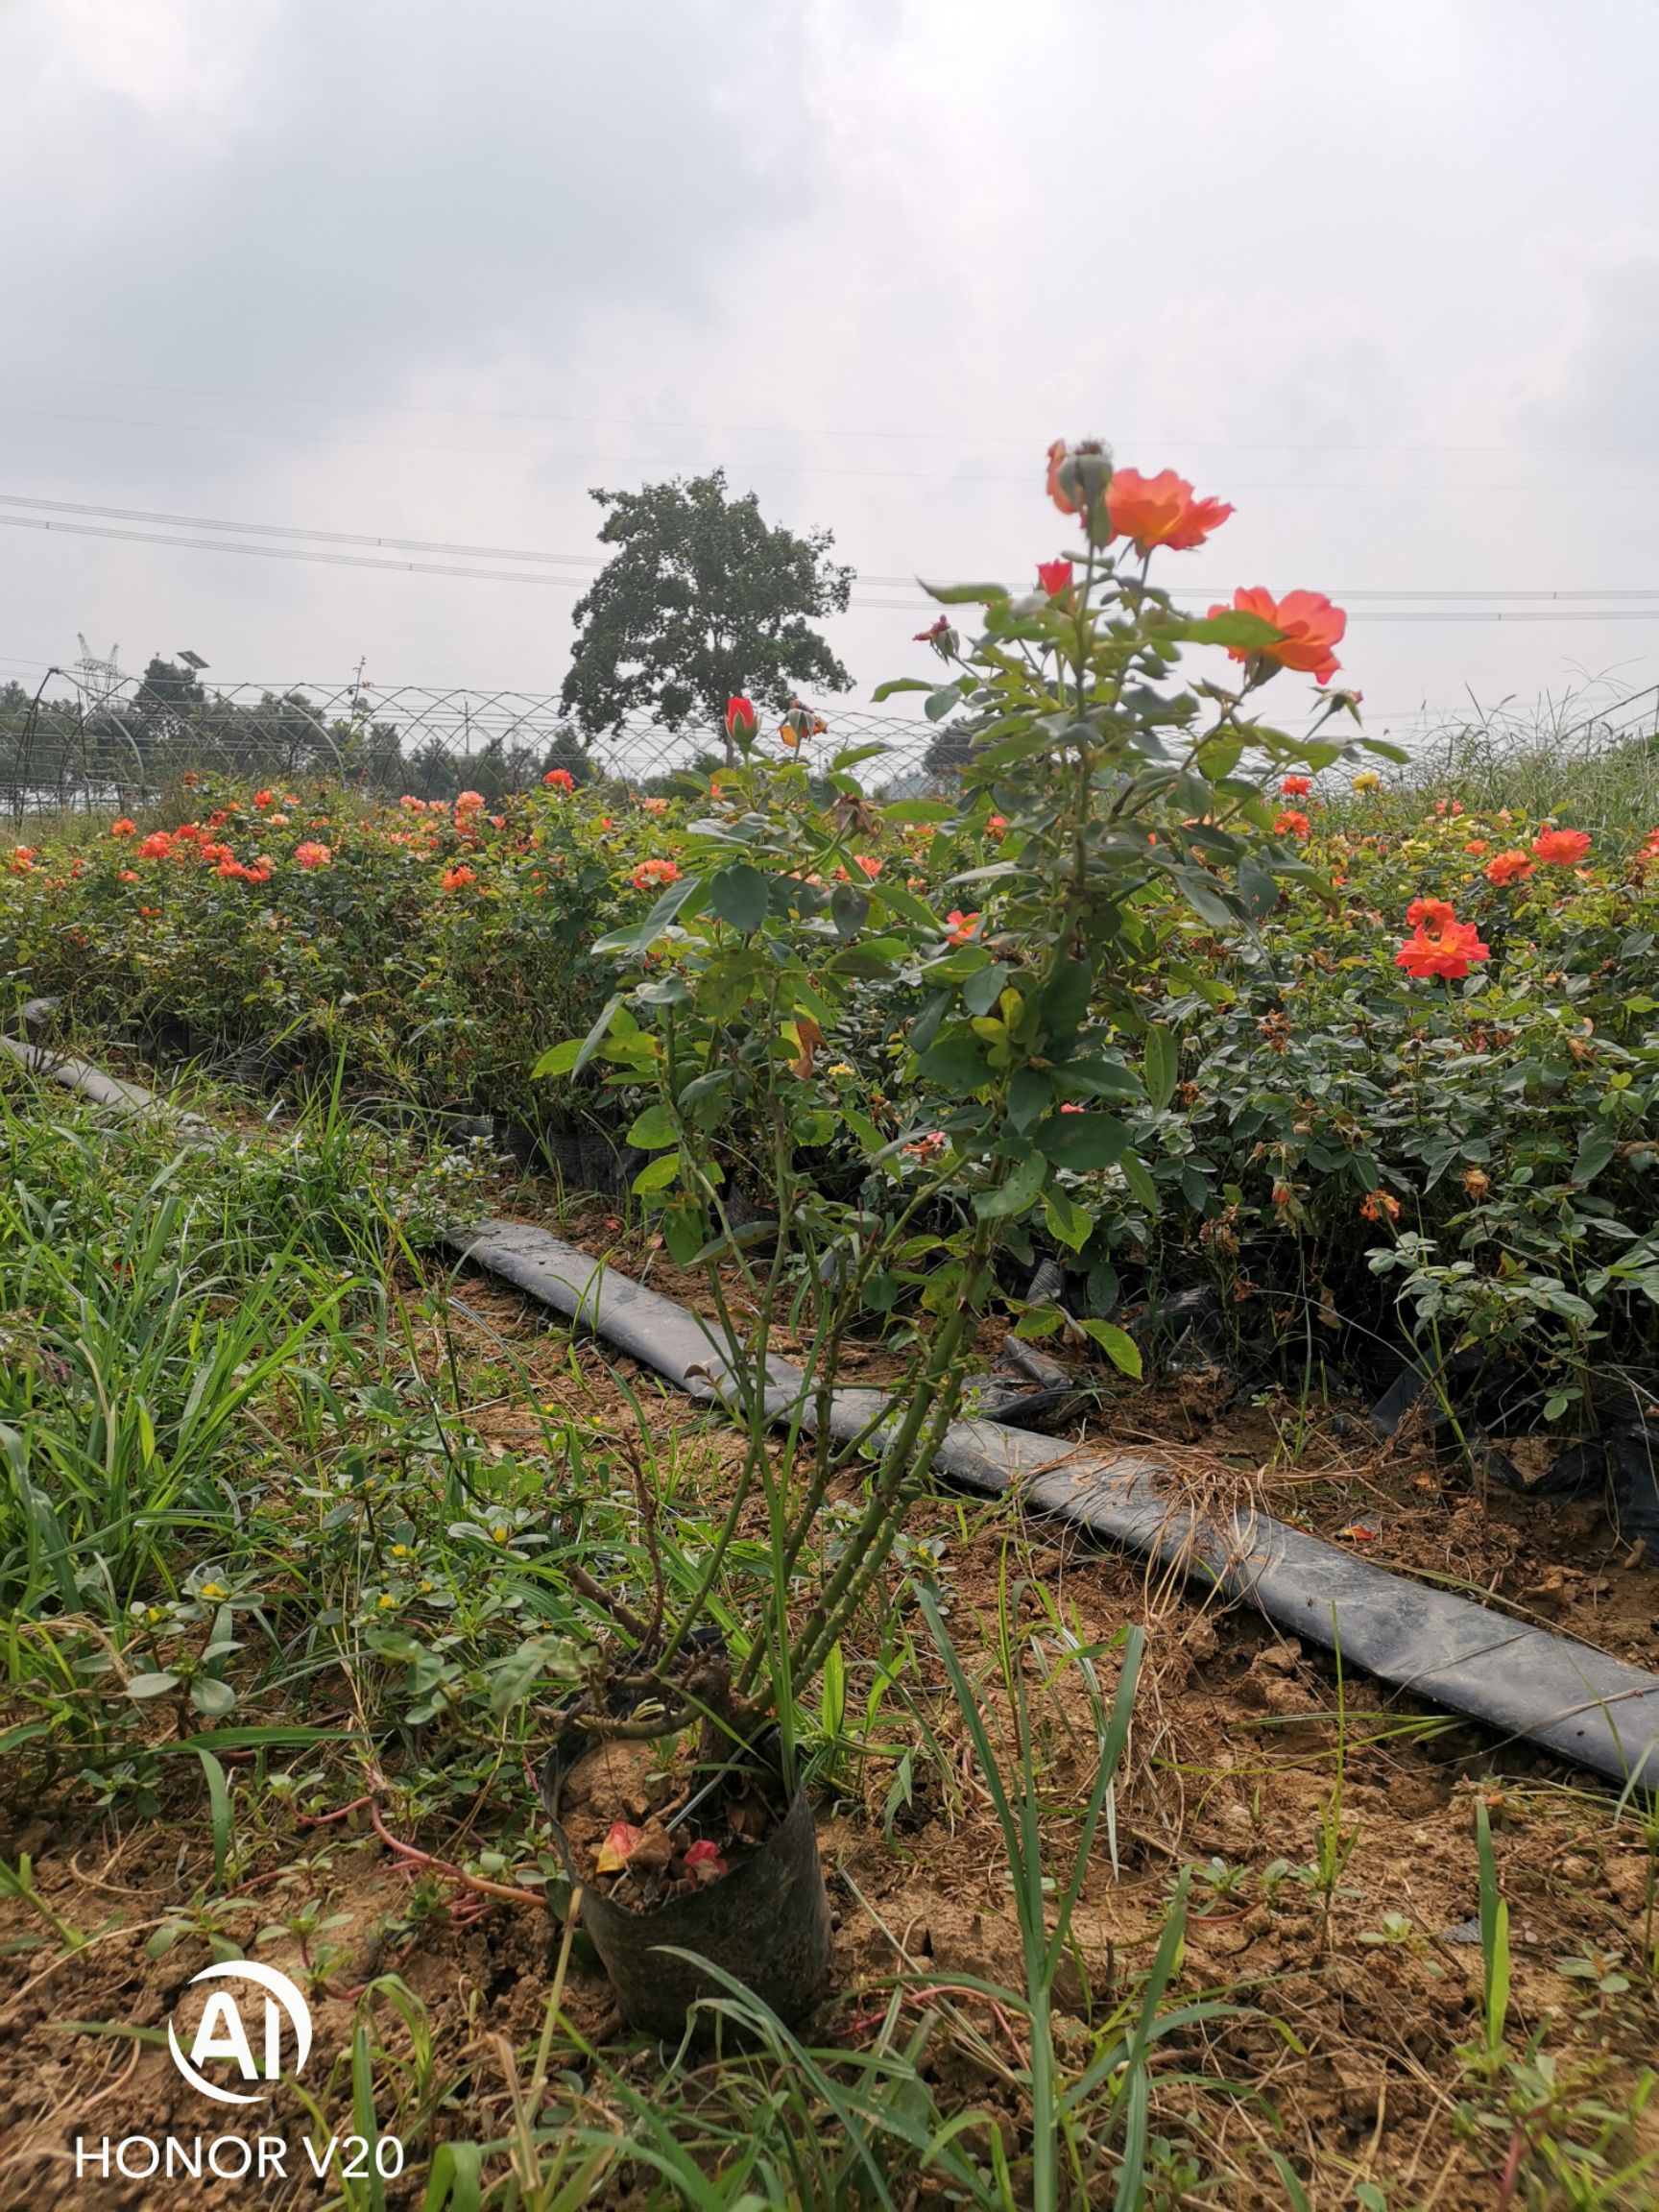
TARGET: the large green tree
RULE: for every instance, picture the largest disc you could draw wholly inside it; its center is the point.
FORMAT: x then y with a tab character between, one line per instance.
701	601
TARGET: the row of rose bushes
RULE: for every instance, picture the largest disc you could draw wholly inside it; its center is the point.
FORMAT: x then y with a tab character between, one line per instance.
435	948
1446	1074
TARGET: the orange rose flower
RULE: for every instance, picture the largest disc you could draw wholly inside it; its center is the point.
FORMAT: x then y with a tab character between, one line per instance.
1561	848
560	780
1511	867
1440	945
124	828
1290	824
1429	913
961	925
650	872
156	847
1295	787
457	878
1161	510
311	854
1311	626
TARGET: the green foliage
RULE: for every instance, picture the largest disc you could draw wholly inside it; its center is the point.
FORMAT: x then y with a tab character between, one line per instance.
781	936
702	601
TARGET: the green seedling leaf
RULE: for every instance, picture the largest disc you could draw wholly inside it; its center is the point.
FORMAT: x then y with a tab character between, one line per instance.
653	1129
1163	1066
658	1175
1119	1346
1069	1223
143	1686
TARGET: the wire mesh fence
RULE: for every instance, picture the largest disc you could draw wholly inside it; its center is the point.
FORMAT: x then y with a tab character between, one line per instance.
93	739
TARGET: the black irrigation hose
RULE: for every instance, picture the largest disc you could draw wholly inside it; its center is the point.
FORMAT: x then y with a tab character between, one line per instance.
1528	1683
104	1090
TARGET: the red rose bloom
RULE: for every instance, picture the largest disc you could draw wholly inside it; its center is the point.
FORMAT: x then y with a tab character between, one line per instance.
1054	576
560	780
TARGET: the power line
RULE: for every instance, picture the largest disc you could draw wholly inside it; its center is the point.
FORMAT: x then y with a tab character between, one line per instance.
292	529
279	552
748	467
859	606
382	542
786	429
348	560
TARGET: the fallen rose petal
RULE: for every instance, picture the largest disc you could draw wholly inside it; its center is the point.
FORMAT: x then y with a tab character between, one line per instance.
620	1844
704	1862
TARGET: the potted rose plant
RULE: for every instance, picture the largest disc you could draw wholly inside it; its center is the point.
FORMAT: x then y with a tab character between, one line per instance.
783	939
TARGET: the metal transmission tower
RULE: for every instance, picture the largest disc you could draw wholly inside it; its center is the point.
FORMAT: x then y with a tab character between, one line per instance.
99	680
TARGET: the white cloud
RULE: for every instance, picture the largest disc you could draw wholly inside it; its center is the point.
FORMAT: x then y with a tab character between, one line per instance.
1351	268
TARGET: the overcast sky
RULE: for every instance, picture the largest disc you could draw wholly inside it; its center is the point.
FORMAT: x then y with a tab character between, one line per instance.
1387	276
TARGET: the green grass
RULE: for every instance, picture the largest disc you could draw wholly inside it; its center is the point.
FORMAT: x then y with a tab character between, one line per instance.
263	1558
1593	765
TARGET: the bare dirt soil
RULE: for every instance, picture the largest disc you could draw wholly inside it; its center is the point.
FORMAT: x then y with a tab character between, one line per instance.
1342	2052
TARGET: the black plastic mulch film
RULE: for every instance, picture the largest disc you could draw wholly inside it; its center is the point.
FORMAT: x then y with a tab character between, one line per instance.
1524	1682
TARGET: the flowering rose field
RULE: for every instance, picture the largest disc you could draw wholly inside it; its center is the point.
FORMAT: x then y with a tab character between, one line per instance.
1439	1049
1287	1113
